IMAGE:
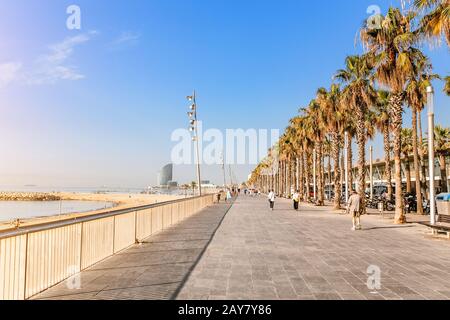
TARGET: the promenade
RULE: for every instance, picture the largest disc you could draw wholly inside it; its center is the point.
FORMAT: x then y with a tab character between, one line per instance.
249	252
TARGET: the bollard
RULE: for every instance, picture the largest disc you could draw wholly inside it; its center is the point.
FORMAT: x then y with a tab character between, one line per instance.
381	208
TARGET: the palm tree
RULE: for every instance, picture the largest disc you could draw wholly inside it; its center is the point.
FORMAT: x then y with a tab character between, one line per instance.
289	153
407	149
315	125
435	22
442	147
395	59
358	95
307	145
298	145
383	123
330	102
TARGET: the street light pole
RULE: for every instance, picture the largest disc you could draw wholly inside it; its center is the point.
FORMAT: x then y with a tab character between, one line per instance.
194	127
346	166
223	169
430	98
314	174
371	172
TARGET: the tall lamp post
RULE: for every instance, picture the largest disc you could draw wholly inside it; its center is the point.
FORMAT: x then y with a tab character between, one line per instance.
346	167
371	172
223	170
194	128
430	98
314	174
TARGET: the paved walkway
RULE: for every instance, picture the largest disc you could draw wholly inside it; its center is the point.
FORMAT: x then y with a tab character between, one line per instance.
258	254
254	253
155	270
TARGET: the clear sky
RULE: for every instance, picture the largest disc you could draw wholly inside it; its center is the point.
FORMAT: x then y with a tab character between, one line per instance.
97	106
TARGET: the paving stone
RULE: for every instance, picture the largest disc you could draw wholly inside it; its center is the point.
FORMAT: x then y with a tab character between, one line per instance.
259	254
154	270
330	262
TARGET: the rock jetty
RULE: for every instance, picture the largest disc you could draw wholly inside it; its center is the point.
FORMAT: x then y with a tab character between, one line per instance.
28	196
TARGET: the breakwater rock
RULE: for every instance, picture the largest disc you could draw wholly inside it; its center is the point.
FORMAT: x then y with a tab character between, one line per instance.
28	196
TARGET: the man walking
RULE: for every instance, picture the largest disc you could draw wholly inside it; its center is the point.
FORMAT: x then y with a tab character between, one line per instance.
354	208
228	196
271	198
296	198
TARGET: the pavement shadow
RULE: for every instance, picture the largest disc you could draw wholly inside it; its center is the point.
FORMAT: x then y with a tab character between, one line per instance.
155	270
389	227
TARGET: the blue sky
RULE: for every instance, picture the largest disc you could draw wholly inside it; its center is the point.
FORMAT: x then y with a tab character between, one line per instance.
98	106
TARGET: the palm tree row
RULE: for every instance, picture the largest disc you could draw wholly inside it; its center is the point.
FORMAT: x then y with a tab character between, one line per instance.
369	92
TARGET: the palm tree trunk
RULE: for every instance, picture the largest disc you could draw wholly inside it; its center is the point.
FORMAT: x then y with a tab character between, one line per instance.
280	176
341	168
350	161
320	195
296	174
301	179
322	164
337	170
307	176
408	175
285	178
273	177
387	160
280	181
329	177
444	177
396	111
416	165
361	141
289	184
277	179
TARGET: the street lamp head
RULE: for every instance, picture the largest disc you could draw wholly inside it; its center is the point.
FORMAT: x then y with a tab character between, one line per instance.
194	139
192	107
190	114
191	129
190	98
192	122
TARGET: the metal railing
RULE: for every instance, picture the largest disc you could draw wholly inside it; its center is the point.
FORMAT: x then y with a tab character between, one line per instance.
34	258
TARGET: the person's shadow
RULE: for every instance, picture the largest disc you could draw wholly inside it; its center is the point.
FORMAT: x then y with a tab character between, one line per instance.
391	227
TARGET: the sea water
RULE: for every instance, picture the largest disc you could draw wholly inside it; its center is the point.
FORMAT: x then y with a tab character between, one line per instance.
11	210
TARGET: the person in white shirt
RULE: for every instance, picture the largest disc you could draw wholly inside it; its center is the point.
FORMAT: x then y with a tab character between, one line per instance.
271	198
296	199
354	208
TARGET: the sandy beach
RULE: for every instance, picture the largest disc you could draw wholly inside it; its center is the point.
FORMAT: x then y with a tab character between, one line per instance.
121	201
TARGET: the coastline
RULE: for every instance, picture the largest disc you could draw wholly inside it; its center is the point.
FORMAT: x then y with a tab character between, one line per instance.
29	196
120	201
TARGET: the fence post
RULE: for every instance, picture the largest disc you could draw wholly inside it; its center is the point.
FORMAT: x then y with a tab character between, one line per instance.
25	268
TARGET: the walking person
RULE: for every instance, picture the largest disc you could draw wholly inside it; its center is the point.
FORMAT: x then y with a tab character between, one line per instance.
296	199
271	198
228	196
218	197
354	208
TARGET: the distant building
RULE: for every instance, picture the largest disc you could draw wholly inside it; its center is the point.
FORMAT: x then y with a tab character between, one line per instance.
165	176
173	184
